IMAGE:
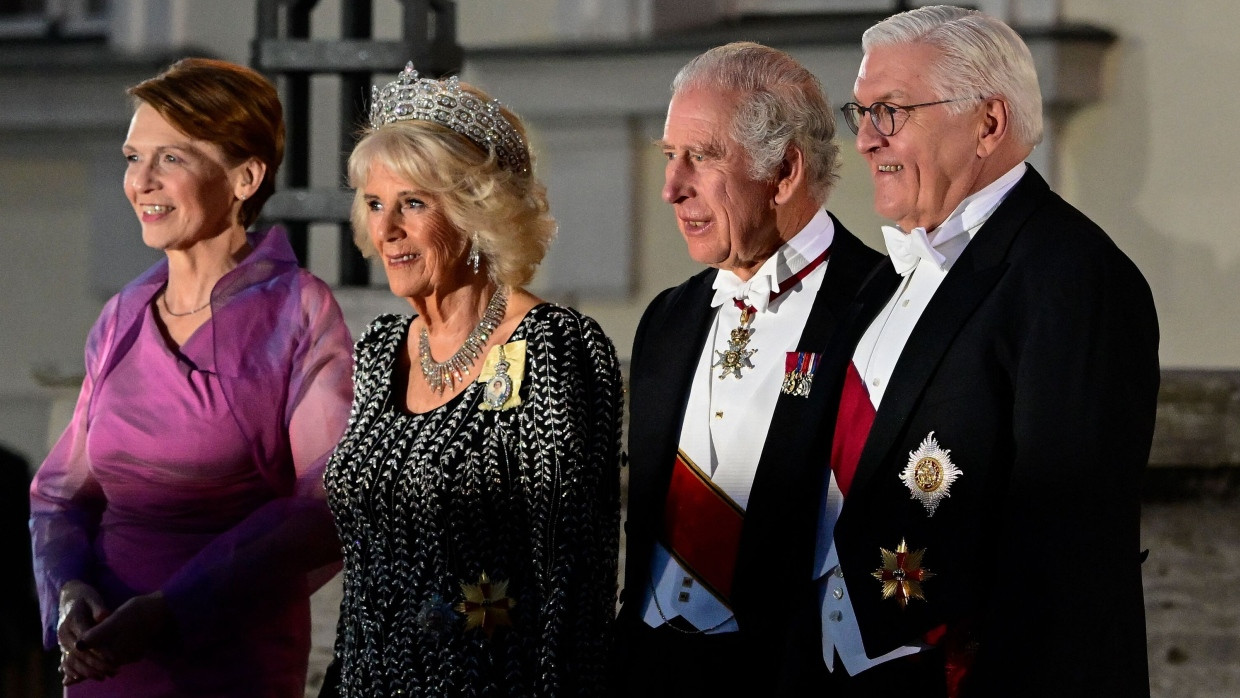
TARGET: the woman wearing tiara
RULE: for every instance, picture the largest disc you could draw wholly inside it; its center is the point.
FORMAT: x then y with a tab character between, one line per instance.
180	522
476	488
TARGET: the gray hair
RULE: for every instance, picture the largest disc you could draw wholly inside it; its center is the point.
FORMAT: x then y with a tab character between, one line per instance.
779	103
980	56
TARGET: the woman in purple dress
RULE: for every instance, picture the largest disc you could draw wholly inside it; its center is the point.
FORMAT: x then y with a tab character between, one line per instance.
179	524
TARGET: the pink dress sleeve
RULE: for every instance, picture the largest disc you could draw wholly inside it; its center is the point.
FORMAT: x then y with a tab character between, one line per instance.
65	500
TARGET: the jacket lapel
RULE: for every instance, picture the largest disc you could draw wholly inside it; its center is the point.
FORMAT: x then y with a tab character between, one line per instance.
671	348
966	285
678	346
795	417
775	560
779	521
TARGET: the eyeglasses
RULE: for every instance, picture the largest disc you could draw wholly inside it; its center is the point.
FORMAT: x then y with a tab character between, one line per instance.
886	117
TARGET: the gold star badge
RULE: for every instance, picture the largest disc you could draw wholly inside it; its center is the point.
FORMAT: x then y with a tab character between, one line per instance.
486	604
902	574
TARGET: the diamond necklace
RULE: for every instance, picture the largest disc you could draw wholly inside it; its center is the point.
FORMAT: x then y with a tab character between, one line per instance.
441	375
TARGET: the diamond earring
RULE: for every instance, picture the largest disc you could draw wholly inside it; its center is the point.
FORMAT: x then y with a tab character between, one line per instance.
475	259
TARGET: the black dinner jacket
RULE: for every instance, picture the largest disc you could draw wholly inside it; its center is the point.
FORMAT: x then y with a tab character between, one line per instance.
1035	365
777	536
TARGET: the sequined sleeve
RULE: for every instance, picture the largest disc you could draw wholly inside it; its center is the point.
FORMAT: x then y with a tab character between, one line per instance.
571	432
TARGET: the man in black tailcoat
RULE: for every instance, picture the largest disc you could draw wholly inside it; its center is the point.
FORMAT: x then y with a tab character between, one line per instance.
996	388
722	484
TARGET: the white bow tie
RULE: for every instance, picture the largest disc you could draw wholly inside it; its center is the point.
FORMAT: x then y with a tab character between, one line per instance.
755	292
905	249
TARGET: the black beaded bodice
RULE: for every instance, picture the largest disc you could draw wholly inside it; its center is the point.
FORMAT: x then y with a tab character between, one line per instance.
426	503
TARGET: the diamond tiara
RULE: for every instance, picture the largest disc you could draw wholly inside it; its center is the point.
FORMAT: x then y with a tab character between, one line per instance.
445	103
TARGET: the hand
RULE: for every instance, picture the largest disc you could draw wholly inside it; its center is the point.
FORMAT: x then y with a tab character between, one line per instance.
131	630
81	608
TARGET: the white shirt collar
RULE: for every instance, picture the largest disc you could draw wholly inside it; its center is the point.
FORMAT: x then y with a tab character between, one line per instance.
905	248
788	260
977	207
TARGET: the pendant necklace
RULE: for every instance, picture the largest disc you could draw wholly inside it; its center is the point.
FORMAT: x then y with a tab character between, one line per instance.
442	375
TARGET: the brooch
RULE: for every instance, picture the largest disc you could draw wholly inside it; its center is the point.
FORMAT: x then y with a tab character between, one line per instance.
799	368
501	376
902	574
486	604
930	473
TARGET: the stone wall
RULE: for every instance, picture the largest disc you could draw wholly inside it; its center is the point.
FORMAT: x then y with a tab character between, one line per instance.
1196	451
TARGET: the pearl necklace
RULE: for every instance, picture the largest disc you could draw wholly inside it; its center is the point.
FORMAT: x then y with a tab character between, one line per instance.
441	375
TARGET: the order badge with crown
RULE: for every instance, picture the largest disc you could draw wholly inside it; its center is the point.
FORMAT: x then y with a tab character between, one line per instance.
930	473
501	375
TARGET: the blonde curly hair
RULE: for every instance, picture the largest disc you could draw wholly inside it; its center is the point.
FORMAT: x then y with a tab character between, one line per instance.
504	214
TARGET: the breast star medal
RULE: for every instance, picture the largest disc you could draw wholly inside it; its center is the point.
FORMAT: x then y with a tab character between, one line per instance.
902	574
486	604
930	473
736	357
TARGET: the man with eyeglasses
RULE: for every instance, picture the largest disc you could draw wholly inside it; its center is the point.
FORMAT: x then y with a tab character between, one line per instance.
724	396
996	389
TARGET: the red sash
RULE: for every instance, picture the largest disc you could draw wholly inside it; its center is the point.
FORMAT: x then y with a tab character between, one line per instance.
959	649
702	527
852	427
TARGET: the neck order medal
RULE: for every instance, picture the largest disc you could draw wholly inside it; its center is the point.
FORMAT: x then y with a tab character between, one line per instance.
736	357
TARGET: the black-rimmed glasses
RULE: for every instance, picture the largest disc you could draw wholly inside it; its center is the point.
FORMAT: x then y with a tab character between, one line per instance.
886	117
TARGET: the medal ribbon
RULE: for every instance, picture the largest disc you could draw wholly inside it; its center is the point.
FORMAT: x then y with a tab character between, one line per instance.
702	527
852	427
802	363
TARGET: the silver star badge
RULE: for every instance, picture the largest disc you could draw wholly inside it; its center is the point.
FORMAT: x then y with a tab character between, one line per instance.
930	473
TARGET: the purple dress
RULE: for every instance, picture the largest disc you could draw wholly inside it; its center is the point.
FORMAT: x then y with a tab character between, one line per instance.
198	471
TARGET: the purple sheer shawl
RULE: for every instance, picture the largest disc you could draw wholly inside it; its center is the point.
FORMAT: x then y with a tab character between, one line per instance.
281	355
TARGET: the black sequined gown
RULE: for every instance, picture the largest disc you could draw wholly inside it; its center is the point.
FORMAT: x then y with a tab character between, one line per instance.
528	495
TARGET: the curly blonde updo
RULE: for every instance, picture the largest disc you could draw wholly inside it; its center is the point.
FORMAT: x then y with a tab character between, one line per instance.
504	214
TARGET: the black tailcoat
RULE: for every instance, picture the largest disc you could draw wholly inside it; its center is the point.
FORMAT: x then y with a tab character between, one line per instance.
1036	366
776	549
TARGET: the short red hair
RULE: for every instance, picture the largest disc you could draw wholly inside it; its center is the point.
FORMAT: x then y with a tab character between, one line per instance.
230	105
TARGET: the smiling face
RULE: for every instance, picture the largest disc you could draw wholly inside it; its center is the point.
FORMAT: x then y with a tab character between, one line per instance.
182	189
726	217
934	161
422	252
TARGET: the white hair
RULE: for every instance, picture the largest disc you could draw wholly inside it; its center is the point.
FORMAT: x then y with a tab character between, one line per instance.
779	102
979	56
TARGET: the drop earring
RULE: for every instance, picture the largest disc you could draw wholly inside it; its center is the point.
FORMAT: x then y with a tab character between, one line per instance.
475	259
